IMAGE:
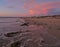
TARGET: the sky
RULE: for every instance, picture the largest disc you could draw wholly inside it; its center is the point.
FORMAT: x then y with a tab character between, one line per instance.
24	8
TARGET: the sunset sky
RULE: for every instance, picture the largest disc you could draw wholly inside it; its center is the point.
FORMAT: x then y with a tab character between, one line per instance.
29	7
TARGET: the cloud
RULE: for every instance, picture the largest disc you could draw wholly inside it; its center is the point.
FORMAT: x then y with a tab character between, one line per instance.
42	8
54	11
32	7
10	6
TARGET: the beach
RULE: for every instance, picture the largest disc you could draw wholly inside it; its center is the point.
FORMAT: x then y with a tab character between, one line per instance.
30	32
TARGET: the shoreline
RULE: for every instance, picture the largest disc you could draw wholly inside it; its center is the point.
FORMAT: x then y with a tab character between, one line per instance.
38	31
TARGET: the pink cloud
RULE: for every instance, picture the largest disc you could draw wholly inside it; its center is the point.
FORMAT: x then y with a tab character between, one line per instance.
35	8
43	8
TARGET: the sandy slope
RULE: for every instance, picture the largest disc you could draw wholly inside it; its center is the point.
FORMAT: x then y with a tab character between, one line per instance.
52	23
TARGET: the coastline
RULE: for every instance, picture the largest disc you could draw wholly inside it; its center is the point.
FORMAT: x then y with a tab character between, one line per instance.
38	31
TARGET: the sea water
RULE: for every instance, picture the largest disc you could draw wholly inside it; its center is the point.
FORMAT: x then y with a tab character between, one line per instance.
10	24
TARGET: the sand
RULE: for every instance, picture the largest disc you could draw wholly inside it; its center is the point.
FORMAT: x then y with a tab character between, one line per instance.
40	32
51	23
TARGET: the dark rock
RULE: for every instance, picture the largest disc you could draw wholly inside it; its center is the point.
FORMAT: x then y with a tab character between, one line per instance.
12	34
42	41
16	44
25	24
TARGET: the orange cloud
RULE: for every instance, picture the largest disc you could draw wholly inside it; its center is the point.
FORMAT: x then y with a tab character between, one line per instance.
31	11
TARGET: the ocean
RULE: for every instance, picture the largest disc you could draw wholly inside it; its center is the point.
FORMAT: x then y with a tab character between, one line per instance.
10	24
